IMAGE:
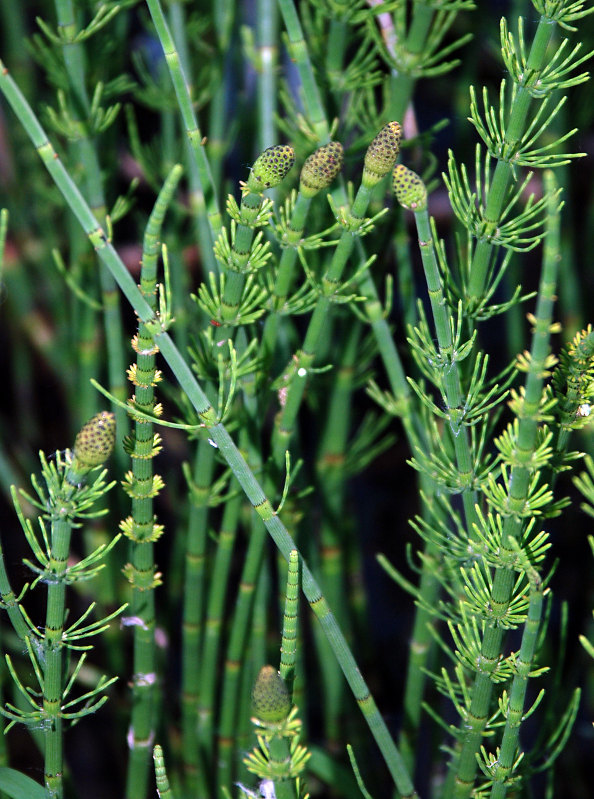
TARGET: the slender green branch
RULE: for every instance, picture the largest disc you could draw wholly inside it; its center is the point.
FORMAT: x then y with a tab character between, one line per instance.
193	612
411	193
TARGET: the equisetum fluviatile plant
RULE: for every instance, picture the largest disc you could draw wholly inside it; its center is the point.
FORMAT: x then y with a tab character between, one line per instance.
336	307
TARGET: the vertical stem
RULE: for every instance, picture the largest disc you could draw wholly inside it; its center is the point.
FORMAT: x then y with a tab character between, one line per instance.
193	615
214	625
53	677
204	198
517	694
142	485
85	149
267	54
333	550
514	523
312	100
289	635
519	118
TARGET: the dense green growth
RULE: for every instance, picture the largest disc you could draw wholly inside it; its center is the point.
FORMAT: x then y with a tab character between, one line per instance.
343	247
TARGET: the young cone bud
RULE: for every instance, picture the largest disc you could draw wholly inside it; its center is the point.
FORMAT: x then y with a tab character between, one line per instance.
95	441
320	168
271	167
409	189
270	697
381	154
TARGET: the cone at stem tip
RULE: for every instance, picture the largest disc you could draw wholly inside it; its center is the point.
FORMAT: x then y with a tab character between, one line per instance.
270	697
271	167
381	154
320	168
409	189
95	440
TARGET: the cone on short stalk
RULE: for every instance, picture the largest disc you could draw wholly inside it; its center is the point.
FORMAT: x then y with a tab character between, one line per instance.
320	168
270	697
381	154
271	167
95	440
409	189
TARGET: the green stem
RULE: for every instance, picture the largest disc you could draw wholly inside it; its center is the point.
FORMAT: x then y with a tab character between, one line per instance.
298	52
514	523
519	117
452	385
288	655
330	469
163	788
304	359
284	277
204	199
86	152
141	527
214	626
53	677
267	58
224	14
193	615
235	656
508	751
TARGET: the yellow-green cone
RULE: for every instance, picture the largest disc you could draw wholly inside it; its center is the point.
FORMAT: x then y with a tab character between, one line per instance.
271	167
409	189
270	697
381	154
320	168
95	440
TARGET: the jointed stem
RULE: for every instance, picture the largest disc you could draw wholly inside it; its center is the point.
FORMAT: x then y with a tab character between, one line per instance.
204	195
142	485
502	178
514	522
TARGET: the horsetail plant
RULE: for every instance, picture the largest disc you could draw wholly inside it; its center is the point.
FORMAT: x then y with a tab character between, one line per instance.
142	485
379	160
234	300
65	498
317	173
279	759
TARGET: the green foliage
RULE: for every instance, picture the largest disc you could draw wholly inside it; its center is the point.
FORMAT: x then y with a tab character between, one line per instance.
286	346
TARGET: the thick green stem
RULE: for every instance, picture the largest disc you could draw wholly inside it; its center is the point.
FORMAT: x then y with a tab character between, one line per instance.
299	53
508	752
